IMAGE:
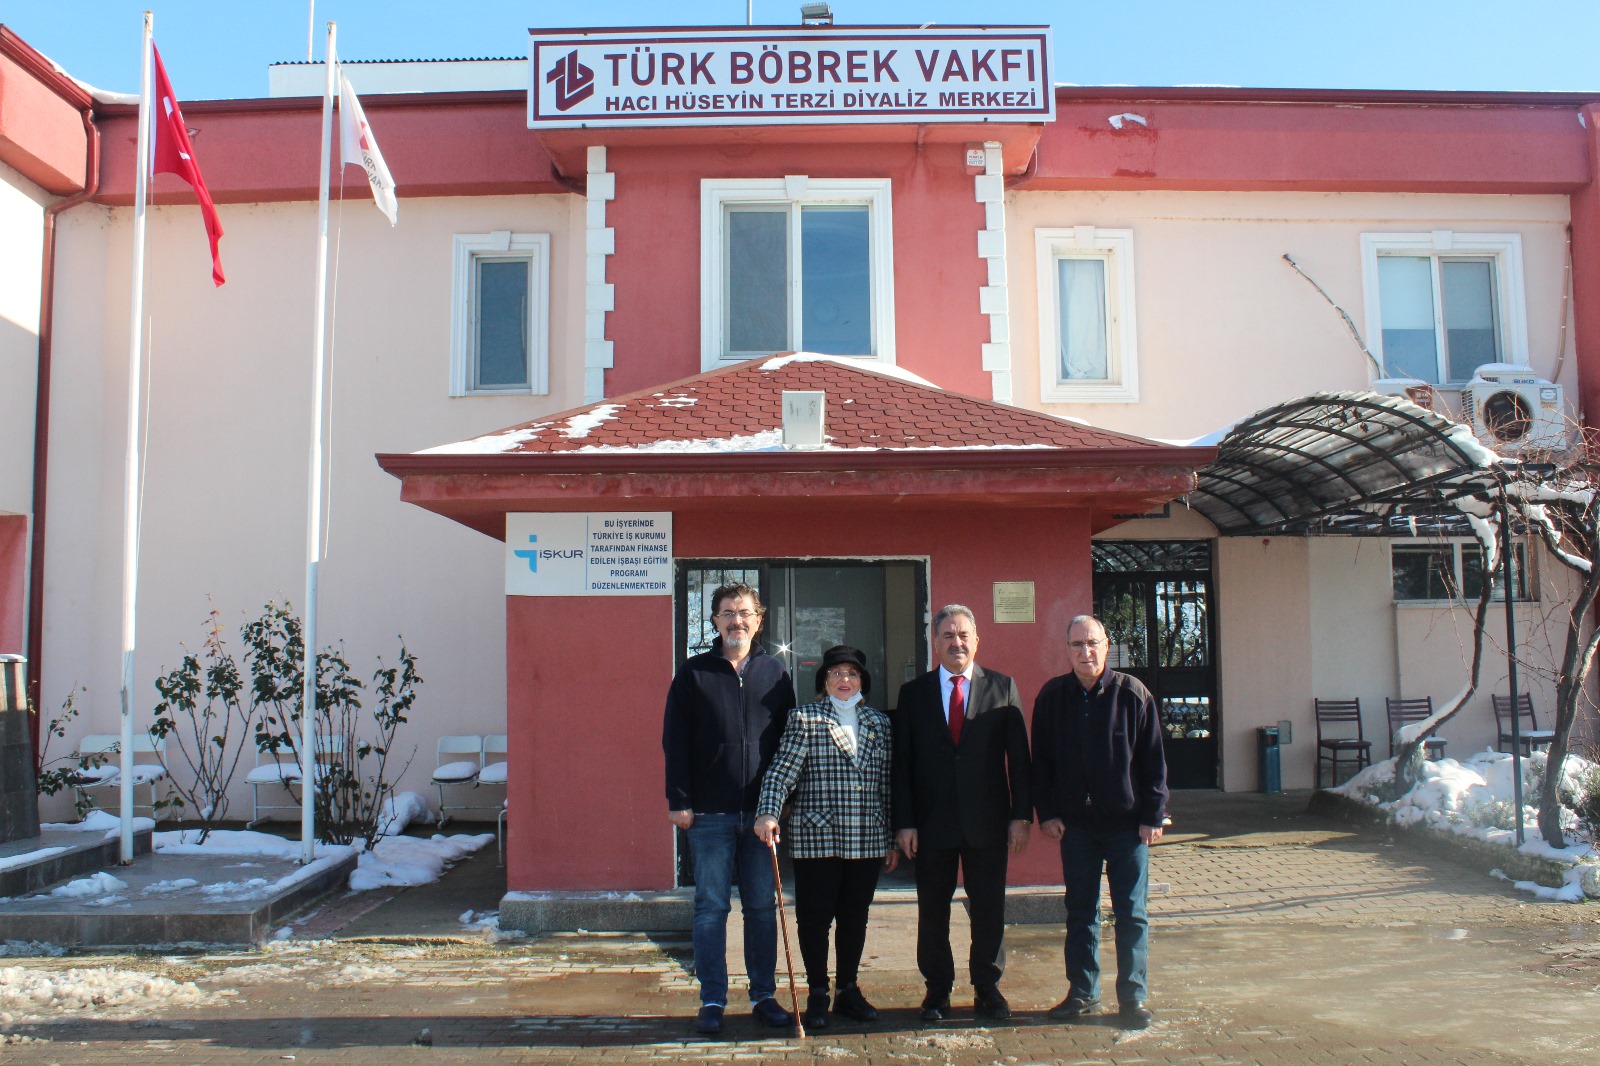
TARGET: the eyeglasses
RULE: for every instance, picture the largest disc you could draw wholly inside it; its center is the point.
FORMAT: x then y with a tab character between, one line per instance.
742	616
838	673
1084	645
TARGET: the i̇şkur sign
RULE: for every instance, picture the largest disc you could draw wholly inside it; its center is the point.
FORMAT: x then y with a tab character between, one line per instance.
620	78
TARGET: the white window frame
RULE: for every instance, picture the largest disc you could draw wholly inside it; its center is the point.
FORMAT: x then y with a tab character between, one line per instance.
1114	247
1526	562
795	190
499	244
1510	292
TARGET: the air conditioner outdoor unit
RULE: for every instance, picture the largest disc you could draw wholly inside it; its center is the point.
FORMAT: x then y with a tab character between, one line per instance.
1514	411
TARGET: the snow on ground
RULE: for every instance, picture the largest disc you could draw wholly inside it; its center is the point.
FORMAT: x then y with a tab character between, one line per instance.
1476	798
397	861
28	994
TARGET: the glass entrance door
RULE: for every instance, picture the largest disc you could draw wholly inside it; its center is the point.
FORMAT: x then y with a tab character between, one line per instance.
1155	599
877	605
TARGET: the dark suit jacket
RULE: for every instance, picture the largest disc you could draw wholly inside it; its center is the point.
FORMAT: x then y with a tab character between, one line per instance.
965	797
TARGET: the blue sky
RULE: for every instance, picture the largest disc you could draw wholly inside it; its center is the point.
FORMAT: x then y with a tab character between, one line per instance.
221	48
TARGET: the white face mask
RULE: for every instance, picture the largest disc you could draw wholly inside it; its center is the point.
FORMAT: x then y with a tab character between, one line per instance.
845	705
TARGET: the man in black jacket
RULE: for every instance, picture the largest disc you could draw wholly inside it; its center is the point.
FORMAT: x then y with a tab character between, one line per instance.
726	711
961	803
1100	787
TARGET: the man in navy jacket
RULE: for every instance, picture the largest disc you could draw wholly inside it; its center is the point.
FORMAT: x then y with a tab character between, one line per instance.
1100	788
725	714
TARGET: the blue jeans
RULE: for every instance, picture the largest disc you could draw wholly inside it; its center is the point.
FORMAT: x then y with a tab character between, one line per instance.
725	846
1126	863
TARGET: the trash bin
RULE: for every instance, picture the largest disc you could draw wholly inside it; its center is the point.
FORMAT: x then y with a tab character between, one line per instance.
1271	764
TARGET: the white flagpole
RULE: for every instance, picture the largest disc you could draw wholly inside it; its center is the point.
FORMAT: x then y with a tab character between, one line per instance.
130	475
308	715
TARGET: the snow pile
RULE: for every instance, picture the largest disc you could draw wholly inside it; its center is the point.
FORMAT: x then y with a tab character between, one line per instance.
27	994
20	948
1476	798
402	861
101	821
403	808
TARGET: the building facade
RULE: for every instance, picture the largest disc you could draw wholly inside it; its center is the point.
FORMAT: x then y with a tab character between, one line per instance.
563	323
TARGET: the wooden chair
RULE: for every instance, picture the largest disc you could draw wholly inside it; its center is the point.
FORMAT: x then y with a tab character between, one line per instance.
1530	735
1340	715
1404	711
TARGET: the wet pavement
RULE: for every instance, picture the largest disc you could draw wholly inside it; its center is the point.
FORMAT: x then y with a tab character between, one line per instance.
1279	938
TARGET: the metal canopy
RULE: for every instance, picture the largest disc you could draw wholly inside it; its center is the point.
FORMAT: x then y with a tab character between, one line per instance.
1352	463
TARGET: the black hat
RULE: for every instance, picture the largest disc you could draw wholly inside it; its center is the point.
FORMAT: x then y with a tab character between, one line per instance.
838	655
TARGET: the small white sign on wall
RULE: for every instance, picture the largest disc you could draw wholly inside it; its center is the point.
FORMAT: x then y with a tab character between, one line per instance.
583	554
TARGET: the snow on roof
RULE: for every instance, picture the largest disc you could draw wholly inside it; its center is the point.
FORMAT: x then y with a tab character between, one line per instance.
869	407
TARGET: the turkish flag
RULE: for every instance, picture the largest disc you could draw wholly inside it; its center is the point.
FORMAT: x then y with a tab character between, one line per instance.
175	155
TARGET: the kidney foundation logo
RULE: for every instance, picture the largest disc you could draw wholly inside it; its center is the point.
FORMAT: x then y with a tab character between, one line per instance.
574	81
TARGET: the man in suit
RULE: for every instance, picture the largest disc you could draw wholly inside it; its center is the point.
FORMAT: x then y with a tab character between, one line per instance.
961	803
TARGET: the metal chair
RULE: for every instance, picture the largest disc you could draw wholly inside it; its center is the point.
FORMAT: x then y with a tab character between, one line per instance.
1340	714
494	773
449	771
281	768
107	777
1532	738
1404	711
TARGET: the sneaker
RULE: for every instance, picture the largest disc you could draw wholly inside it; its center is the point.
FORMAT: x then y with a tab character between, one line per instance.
772	1014
709	1020
853	1005
817	1010
1073	1008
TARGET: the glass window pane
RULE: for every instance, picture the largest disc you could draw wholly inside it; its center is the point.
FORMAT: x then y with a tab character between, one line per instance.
758	280
1472	337
1081	304
1424	573
1405	298
502	323
1472	574
835	280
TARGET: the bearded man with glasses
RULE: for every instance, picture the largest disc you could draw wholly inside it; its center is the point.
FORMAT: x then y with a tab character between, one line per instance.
726	712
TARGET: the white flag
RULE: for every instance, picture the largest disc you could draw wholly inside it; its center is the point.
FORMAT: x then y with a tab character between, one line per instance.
358	146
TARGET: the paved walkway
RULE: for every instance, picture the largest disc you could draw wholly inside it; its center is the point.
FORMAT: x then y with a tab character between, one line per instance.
1278	940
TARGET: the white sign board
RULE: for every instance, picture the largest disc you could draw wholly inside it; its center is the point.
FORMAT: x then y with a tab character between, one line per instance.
623	554
769	75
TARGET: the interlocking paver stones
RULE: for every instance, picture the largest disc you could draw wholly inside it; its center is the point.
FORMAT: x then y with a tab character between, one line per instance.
1297	949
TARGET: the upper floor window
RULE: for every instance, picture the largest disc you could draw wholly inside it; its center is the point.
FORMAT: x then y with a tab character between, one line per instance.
1087	338
796	264
1442	304
500	325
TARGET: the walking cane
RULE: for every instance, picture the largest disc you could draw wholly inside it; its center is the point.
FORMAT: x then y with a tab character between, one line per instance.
783	919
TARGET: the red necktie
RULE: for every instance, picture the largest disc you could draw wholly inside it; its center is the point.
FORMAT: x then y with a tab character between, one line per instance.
958	708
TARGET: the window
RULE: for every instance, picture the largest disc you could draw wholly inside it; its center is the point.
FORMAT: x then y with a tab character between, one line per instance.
1452	571
1087	343
1442	304
796	264
500	326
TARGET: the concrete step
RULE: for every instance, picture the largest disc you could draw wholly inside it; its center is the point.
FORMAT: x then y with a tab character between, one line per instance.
56	855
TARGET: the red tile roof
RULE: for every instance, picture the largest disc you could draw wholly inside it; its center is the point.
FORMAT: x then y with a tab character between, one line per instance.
739	408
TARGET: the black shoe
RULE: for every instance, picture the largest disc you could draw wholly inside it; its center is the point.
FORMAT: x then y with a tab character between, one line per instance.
1074	1007
817	1010
991	1004
853	1005
1135	1015
769	1011
935	1006
709	1020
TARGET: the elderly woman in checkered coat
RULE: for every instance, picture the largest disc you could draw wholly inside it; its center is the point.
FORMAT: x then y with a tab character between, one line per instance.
833	763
